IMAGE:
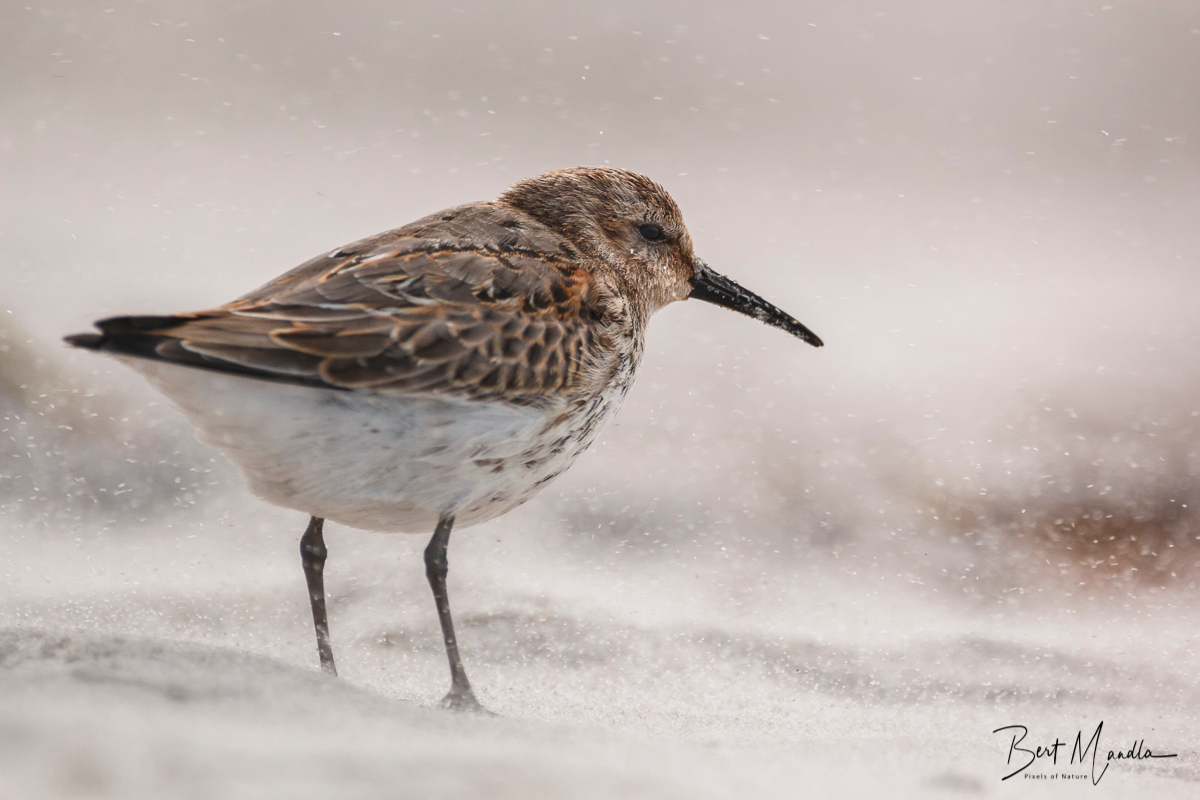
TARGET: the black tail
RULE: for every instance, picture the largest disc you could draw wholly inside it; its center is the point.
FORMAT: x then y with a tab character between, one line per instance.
151	337
131	336
88	341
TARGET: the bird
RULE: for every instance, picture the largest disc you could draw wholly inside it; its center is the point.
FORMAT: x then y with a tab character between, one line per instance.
436	375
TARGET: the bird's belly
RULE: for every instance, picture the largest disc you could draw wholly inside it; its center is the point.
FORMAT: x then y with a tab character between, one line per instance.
374	460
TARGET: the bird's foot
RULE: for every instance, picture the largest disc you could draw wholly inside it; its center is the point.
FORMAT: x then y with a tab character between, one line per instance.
464	701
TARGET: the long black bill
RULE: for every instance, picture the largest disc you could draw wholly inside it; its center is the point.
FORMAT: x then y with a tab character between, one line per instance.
712	287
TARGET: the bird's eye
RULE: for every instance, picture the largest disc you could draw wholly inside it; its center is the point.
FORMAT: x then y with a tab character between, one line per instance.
650	232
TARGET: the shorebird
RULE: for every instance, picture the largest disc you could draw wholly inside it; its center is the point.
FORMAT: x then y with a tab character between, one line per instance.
439	374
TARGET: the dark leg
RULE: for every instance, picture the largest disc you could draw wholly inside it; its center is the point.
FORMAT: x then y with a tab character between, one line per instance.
461	698
312	554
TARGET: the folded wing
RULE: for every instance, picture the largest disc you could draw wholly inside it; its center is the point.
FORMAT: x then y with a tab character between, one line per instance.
397	312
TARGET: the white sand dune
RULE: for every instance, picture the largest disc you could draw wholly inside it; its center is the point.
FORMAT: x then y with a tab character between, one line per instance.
615	676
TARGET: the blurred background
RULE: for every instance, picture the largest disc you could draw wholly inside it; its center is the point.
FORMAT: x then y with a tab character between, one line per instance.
986	210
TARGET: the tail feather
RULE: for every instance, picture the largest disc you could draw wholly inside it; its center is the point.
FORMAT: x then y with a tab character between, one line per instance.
87	341
152	338
132	336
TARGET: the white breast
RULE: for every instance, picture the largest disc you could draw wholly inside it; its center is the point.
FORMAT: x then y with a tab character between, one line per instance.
380	461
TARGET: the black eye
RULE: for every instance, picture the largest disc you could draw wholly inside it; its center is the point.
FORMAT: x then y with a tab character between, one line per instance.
650	232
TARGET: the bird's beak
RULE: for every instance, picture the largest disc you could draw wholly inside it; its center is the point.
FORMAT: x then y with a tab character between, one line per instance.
712	287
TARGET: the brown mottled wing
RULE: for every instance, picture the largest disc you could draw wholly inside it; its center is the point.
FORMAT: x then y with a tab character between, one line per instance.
479	300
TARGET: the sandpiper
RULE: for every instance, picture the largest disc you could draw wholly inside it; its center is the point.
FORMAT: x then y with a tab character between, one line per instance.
438	374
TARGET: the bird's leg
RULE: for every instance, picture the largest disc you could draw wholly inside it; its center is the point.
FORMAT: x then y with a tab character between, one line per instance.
312	554
460	698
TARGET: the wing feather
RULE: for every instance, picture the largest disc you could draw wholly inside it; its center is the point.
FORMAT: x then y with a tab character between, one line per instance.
416	310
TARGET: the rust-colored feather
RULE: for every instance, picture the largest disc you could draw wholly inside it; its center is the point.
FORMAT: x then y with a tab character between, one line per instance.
423	308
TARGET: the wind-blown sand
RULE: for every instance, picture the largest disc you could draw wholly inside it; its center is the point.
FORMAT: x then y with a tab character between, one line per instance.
615	675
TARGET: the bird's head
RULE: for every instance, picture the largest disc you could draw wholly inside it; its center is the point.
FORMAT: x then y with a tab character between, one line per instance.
631	225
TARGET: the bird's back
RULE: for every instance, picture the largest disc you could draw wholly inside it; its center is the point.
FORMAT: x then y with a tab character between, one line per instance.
479	301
